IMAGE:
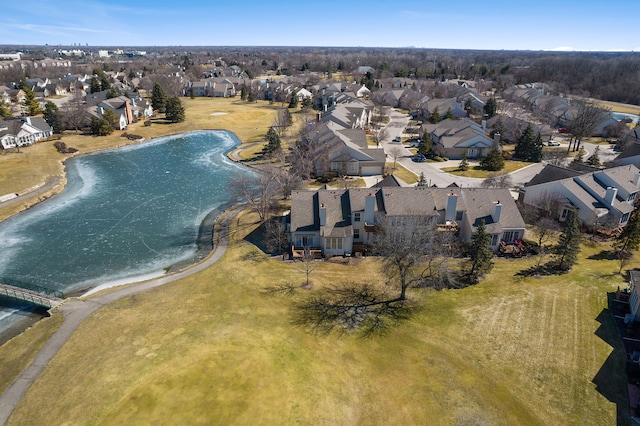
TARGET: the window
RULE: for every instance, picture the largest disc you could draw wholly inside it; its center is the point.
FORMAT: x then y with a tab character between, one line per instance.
564	214
494	239
459	215
508	236
625	218
304	241
397	220
632	197
335	167
356	233
333	244
356	217
354	168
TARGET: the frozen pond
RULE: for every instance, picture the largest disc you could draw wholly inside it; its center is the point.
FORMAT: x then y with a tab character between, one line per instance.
124	215
621	116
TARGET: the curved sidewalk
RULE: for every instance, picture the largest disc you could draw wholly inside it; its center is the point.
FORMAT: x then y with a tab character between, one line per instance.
75	311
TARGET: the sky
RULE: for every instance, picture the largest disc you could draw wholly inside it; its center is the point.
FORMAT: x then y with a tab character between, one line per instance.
571	25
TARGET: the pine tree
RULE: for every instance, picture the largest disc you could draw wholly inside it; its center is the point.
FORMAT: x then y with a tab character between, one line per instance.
273	142
529	146
51	115
594	160
569	242
243	92
480	252
491	107
422	181
464	163
293	103
424	147
449	114
30	102
174	110
629	239
494	161
435	116
95	85
579	158
158	98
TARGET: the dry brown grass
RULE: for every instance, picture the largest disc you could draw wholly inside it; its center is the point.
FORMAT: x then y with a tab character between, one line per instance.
218	347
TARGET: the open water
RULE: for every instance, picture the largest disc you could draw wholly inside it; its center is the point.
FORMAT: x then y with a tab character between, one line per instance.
125	215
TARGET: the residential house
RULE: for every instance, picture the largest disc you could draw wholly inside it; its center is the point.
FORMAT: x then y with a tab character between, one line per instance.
456	138
341	222
444	105
344	151
352	115
630	155
634	290
602	198
24	132
121	107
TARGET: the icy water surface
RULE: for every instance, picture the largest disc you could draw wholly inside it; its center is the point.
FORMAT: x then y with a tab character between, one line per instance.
124	215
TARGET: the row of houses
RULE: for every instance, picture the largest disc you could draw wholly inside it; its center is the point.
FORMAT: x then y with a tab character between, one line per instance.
343	222
24	132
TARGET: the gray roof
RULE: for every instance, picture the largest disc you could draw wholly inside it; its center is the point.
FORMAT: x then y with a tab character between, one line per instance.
551	173
480	202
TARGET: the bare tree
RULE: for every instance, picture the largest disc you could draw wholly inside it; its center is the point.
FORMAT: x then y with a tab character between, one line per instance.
546	227
497	180
380	135
258	191
74	113
283	121
556	157
584	121
275	236
395	152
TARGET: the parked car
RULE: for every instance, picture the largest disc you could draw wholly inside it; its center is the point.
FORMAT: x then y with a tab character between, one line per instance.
553	143
419	158
413	143
397	139
563	130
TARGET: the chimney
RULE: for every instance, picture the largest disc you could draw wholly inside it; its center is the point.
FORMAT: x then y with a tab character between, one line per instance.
27	120
323	215
636	180
369	208
484	125
496	140
497	209
610	195
450	211
127	108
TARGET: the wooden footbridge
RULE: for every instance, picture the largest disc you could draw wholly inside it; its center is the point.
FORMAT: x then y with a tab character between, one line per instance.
30	293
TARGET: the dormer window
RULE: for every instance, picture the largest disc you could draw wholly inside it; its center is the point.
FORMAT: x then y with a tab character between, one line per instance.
356	217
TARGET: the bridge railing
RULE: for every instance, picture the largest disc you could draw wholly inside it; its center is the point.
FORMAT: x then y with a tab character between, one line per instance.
24	296
32	287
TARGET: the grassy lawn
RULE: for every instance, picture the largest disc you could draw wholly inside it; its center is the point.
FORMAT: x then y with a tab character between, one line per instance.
402	172
477	172
17	353
217	346
618	107
33	165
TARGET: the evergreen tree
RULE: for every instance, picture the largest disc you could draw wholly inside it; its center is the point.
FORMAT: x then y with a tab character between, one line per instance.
529	146
434	117
422	181
51	115
480	252
449	114
491	107
494	161
113	92
579	158
174	110
569	242
273	142
293	103
95	85
4	110
424	147
104	82
307	102
158	98
30	102
464	163
243	92
594	160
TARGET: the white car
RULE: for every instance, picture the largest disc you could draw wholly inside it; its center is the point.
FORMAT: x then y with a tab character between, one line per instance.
553	143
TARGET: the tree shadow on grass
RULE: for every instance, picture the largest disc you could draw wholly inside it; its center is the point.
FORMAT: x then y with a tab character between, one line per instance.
604	255
544	270
257	238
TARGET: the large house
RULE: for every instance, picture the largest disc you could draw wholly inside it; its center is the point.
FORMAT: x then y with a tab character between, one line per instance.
25	132
342	222
456	138
603	197
344	151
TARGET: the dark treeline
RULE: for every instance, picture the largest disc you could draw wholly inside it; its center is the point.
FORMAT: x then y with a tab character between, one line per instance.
609	76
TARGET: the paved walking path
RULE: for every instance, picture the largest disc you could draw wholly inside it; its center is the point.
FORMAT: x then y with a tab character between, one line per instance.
75	311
